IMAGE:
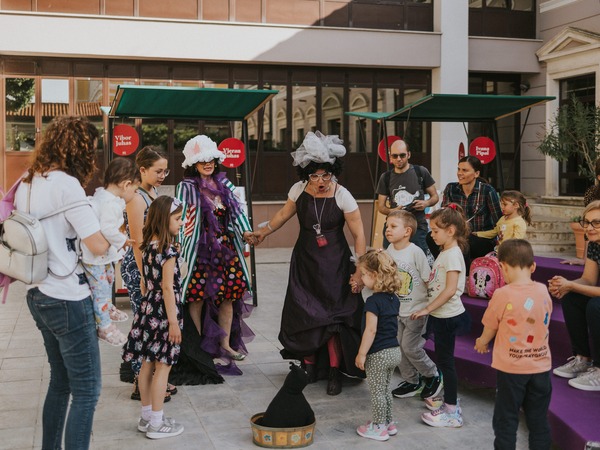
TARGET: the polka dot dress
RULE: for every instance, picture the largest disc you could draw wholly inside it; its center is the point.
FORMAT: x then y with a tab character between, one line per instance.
225	278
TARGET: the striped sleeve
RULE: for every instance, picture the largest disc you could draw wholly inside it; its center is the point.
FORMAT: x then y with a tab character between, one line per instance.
190	232
242	224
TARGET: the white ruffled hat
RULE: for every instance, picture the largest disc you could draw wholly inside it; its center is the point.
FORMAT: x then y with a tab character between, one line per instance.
318	148
201	149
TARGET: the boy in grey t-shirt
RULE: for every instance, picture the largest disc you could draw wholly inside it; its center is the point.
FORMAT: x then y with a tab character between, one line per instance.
418	371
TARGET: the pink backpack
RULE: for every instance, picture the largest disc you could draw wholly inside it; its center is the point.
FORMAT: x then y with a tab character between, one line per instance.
7	205
485	276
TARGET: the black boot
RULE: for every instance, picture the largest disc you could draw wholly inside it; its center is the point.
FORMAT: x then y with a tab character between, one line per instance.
334	385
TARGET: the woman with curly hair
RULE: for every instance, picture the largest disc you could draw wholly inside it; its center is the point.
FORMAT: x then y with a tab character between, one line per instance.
321	319
61	305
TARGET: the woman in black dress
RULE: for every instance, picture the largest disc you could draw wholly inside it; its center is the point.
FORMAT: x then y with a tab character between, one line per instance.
320	323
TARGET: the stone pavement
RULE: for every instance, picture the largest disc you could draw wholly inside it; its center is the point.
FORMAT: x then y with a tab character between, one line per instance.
218	416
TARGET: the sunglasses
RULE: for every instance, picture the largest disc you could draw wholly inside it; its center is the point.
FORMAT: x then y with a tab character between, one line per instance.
398	155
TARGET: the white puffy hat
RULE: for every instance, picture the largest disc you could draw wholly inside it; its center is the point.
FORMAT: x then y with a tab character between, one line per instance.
201	149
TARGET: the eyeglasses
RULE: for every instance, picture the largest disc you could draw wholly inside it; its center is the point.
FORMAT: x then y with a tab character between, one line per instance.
586	223
398	155
325	176
207	163
162	172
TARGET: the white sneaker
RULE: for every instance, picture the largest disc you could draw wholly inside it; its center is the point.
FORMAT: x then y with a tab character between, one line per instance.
575	366
168	428
443	418
587	381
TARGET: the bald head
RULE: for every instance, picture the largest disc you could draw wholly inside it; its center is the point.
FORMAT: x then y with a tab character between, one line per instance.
399	146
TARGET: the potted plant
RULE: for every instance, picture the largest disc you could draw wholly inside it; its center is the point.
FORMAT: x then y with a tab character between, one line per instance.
579	233
574	132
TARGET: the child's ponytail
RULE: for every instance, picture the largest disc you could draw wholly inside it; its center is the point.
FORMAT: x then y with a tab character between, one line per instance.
523	208
453	215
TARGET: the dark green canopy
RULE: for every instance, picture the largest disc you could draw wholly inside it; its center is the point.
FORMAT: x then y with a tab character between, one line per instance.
459	108
172	102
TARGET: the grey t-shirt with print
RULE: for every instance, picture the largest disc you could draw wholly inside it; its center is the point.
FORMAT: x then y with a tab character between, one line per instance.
404	188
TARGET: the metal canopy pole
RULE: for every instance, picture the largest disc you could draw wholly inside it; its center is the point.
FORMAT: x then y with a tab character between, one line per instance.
250	214
499	171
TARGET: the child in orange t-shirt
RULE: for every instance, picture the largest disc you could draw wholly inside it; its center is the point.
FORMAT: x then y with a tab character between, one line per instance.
518	316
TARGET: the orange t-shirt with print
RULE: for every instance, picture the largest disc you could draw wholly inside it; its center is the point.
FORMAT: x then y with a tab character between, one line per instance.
521	316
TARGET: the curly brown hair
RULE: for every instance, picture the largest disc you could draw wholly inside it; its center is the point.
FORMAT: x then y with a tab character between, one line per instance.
69	145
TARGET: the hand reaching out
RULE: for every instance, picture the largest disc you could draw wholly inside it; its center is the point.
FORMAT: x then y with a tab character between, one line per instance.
250	238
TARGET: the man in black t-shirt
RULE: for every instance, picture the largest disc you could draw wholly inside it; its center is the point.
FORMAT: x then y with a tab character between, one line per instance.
405	188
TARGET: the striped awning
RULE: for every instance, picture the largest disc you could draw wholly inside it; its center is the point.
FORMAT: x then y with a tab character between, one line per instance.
89	109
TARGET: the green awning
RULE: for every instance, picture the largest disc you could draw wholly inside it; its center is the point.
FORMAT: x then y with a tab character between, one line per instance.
369	115
465	107
458	108
172	102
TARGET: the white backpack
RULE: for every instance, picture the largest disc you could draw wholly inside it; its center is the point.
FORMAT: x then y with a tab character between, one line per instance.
24	247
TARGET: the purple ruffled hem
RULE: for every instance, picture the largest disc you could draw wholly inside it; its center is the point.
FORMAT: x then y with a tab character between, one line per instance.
212	333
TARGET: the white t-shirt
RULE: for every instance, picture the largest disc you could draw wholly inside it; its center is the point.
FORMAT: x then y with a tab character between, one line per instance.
109	211
447	261
63	231
343	197
414	272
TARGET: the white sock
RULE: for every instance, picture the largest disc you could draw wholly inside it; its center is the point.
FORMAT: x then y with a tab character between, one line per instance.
146	412
156	418
451	408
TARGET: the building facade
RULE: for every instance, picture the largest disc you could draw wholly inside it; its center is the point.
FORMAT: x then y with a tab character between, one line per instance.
325	57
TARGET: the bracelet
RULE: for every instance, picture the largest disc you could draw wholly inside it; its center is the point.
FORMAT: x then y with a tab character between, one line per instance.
269	226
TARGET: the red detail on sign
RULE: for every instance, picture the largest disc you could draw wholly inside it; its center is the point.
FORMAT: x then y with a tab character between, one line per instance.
461	151
235	153
381	146
125	140
483	148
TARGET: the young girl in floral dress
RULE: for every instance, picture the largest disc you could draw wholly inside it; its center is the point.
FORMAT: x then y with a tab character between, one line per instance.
155	335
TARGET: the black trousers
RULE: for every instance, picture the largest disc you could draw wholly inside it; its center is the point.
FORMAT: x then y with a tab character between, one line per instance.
532	392
582	318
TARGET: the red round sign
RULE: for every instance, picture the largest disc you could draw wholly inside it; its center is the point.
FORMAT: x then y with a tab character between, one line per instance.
234	151
125	140
381	146
483	148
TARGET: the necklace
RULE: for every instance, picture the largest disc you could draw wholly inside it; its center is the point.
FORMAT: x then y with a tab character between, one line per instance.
321	239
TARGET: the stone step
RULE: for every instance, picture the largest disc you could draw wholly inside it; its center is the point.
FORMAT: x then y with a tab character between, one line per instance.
549	235
549	247
566	212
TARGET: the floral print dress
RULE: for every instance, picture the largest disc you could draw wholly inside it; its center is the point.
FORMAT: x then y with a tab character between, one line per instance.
148	338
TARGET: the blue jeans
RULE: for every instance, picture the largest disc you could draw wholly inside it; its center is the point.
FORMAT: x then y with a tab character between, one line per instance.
69	332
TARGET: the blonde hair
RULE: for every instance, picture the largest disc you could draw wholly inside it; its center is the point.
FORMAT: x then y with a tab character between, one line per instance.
591	207
379	262
408	219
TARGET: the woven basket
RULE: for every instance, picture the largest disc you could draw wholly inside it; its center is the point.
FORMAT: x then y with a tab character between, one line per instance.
281	437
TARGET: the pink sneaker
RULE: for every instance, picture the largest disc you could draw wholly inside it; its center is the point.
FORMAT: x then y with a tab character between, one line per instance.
392	429
372	431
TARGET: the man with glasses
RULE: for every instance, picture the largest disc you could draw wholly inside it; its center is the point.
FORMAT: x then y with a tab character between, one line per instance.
405	187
